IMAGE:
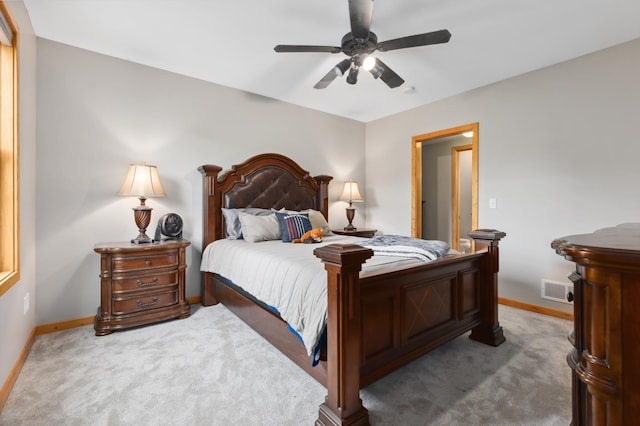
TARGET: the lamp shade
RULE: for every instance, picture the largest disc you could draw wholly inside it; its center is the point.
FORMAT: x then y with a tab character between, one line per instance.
351	193
142	181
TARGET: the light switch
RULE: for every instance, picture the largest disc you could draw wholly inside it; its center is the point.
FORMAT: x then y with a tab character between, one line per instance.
493	203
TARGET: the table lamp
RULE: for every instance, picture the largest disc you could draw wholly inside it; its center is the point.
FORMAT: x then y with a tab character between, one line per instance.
351	194
142	181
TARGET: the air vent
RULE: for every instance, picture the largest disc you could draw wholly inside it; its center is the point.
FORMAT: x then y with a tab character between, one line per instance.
555	290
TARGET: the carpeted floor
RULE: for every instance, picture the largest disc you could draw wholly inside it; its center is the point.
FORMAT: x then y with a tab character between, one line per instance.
212	369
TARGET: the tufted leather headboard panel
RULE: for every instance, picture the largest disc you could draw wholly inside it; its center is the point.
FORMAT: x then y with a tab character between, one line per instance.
265	181
272	187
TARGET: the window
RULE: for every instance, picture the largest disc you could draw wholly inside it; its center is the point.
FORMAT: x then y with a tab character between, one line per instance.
9	223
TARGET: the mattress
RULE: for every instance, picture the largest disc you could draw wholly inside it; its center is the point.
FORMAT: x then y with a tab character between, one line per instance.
288	278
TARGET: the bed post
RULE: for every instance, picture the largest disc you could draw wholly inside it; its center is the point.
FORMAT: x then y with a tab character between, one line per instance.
343	405
489	331
211	230
322	201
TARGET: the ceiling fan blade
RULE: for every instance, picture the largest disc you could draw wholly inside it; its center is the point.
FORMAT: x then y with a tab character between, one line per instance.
360	12
435	37
336	71
389	76
292	48
326	80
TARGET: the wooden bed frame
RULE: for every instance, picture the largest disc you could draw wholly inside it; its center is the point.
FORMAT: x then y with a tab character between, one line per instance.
376	323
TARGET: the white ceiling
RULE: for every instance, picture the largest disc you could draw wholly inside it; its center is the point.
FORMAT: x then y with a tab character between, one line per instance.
231	42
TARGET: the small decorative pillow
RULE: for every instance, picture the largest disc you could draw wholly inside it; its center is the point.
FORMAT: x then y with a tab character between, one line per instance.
316	217
298	224
259	228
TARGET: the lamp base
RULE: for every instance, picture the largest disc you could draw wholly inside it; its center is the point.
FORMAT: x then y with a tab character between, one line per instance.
142	239
142	216
351	212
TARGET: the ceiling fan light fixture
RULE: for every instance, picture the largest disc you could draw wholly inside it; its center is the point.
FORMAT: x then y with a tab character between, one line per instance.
352	78
361	43
369	63
376	71
342	67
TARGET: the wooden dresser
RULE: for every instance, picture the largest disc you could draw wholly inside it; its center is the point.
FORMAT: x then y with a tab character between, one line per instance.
605	358
140	284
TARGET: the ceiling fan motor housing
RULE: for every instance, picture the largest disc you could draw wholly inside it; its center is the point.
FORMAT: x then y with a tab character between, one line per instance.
353	47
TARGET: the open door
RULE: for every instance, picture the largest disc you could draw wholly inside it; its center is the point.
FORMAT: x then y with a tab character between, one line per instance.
455	208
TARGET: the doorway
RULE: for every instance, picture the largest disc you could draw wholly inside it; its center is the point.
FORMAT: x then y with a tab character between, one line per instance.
445	185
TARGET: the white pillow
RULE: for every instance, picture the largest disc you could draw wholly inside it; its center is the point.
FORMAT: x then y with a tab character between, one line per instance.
259	228
318	221
233	230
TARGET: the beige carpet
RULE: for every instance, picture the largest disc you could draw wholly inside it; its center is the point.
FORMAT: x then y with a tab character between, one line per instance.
212	369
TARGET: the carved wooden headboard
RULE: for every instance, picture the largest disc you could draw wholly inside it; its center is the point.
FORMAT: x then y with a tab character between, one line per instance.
264	181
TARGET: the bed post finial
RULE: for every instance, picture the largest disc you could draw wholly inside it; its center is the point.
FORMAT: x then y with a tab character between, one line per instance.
343	405
489	331
210	203
211	230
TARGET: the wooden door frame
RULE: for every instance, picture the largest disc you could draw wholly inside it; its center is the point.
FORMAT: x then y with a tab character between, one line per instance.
416	173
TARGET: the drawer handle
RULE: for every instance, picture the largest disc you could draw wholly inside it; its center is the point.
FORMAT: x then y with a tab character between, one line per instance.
144	305
141	283
147	262
574	277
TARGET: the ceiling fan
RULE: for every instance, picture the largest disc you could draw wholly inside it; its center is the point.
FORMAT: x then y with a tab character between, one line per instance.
360	43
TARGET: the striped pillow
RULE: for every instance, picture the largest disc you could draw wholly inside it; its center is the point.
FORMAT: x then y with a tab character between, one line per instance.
297	223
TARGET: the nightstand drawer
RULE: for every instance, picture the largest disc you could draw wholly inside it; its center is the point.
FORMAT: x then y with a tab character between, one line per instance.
145	302
130	263
144	282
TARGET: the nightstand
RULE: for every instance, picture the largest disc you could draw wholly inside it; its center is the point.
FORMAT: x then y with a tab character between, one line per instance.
360	232
140	284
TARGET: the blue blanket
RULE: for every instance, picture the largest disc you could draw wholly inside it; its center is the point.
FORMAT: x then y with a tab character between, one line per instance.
398	245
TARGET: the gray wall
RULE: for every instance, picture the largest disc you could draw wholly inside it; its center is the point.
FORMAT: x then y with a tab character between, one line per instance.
98	114
558	149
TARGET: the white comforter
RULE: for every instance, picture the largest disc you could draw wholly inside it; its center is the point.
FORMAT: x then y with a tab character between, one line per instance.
285	276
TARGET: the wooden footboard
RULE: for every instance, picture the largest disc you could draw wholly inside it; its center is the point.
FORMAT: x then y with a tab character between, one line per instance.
379	323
